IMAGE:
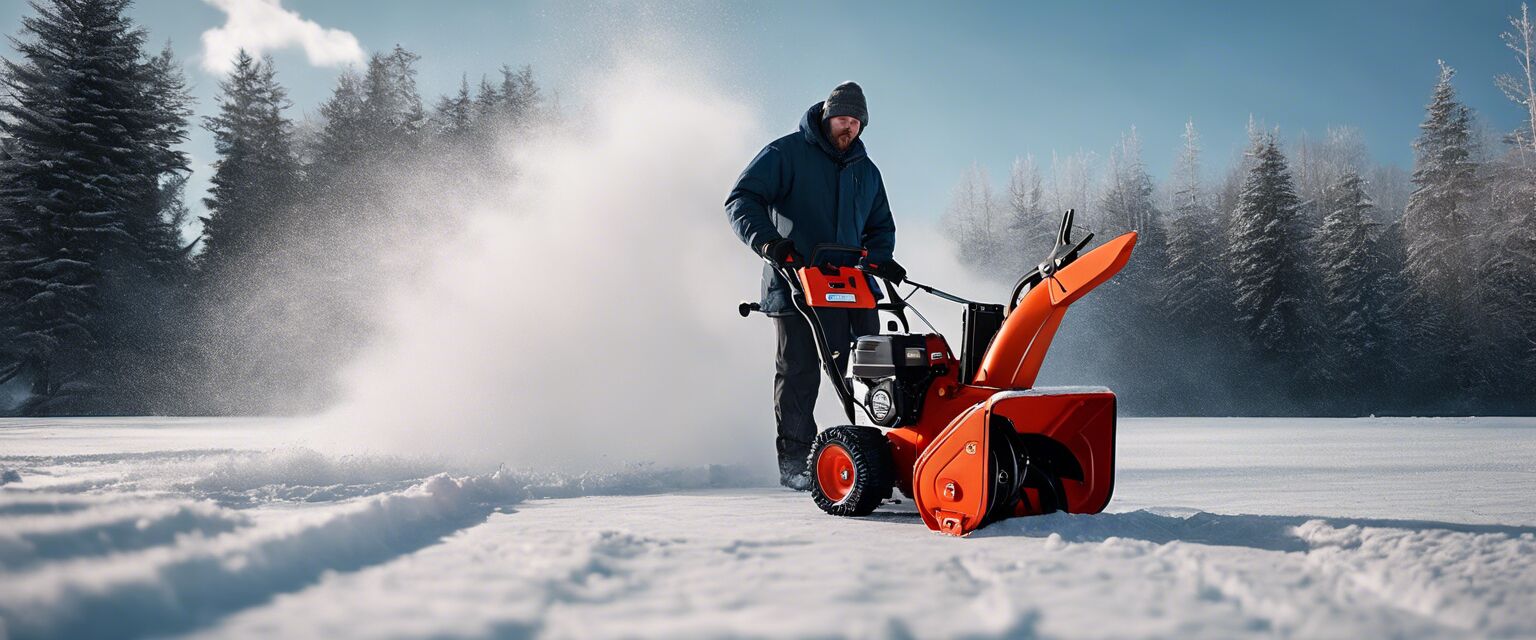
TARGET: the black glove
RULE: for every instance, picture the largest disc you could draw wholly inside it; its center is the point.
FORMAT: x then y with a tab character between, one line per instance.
782	253
887	269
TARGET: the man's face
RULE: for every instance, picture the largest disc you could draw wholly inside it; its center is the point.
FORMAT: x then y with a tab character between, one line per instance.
842	131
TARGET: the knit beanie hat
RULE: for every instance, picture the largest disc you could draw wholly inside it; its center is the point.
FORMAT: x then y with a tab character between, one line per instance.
846	100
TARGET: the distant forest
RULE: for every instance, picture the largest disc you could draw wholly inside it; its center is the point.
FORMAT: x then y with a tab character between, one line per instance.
104	309
1306	280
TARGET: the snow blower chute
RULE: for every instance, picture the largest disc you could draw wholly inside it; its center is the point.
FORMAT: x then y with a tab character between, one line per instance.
968	438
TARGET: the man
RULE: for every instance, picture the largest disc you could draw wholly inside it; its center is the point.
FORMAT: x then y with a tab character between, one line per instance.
811	187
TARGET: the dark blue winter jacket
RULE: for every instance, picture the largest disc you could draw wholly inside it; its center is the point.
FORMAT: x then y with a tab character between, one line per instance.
801	188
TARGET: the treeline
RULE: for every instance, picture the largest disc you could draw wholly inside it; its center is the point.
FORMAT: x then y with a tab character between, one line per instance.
1307	281
105	309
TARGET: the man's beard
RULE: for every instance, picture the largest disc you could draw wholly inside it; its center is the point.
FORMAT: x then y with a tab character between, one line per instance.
837	139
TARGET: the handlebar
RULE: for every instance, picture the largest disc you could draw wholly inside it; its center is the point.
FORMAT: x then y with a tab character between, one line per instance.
834	248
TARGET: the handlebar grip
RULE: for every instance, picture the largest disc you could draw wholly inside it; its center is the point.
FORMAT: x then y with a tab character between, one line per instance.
746	308
834	248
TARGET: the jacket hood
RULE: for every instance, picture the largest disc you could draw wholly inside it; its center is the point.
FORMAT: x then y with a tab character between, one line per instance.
810	127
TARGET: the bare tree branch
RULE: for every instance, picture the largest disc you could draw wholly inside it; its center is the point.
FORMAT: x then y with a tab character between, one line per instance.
1522	40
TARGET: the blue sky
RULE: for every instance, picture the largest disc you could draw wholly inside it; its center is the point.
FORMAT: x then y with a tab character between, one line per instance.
955	83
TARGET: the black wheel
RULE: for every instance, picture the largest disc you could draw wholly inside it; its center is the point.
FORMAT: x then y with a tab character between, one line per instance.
851	470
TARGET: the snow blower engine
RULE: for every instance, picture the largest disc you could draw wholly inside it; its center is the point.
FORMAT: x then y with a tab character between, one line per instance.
969	439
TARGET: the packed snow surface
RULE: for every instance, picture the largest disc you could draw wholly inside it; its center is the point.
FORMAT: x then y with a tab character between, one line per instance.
1238	527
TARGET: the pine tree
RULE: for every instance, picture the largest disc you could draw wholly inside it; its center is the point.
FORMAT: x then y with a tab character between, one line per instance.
455	116
1439	228
1031	227
1131	302
1510	263
256	173
974	222
246	239
1127	201
1408	368
166	107
1507	273
1191	288
309	289
1127	205
143	297
519	94
341	143
1350	274
93	123
1265	254
1072	184
1230	191
487	106
392	115
1188	196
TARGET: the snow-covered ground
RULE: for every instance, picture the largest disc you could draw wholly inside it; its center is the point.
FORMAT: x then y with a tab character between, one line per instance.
1219	528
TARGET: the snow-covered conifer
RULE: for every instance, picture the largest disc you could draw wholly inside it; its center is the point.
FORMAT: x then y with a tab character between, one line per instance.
340	143
256	172
487	105
392	114
454	115
519	94
1192	293
93	122
1441	229
1031	227
974	221
1349	287
1127	205
1265	254
1509	254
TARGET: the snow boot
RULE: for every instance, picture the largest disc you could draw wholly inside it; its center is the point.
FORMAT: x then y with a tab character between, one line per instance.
795	472
798	481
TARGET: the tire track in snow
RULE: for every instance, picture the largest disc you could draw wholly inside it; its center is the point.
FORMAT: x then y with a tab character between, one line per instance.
1322	577
524	570
1481	583
197	579
122	525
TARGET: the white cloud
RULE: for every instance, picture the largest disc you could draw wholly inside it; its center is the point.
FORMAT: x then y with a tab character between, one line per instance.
262	26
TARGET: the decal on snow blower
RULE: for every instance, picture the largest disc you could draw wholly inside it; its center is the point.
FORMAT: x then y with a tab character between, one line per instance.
842	297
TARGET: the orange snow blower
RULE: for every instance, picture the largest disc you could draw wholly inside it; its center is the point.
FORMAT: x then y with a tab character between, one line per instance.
969	439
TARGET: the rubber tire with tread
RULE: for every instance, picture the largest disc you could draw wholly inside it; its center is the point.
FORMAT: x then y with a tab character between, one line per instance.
874	469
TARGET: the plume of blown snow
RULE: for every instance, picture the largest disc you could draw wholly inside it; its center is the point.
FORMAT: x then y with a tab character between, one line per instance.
586	318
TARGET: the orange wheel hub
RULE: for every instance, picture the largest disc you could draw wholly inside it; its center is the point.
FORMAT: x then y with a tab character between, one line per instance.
835	472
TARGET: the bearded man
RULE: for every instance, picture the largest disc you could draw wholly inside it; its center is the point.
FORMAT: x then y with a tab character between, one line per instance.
814	186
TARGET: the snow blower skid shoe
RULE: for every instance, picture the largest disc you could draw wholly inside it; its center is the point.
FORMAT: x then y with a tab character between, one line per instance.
969	438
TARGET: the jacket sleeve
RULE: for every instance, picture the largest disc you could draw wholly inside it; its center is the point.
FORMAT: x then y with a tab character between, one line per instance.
759	187
880	228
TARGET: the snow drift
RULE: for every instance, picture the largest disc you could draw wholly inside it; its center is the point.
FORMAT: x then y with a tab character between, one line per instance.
1220	528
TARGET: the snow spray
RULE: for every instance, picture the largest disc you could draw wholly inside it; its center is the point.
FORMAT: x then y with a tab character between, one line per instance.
584	318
